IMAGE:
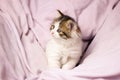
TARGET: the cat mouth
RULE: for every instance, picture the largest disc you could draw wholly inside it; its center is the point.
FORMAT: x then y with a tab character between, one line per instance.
52	35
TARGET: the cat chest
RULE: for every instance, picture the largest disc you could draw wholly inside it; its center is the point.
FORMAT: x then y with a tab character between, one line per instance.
68	53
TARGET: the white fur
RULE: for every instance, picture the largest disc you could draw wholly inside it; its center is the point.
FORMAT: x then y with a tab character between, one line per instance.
62	53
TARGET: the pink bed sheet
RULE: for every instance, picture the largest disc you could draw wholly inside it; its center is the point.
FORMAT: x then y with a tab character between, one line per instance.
24	32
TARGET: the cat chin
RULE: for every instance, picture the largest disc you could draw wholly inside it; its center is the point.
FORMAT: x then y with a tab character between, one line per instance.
55	37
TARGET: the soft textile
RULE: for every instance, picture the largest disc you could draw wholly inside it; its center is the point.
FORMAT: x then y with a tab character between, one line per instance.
24	32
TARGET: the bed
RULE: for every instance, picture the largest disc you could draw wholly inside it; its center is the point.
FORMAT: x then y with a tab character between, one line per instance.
24	32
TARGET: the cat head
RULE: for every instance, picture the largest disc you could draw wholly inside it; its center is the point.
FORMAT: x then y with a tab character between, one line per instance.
64	27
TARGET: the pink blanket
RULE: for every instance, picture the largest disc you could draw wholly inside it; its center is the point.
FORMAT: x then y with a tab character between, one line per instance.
24	32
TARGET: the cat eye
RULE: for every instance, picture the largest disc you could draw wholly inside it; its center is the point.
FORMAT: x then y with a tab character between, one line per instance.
52	27
59	30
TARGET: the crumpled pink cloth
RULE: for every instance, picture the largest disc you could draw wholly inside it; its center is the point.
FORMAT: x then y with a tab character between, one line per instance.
24	32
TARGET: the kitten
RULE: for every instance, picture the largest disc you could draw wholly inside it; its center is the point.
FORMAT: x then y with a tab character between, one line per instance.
65	48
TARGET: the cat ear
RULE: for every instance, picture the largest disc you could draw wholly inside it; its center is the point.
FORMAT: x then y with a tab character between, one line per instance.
61	14
71	25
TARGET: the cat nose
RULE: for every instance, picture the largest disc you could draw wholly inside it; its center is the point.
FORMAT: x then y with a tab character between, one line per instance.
52	32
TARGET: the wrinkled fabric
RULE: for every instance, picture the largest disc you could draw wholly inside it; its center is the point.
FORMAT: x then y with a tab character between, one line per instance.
24	32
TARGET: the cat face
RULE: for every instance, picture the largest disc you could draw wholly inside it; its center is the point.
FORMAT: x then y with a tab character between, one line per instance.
64	27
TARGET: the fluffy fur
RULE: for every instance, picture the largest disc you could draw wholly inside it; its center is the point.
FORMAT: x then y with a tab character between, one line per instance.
65	48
